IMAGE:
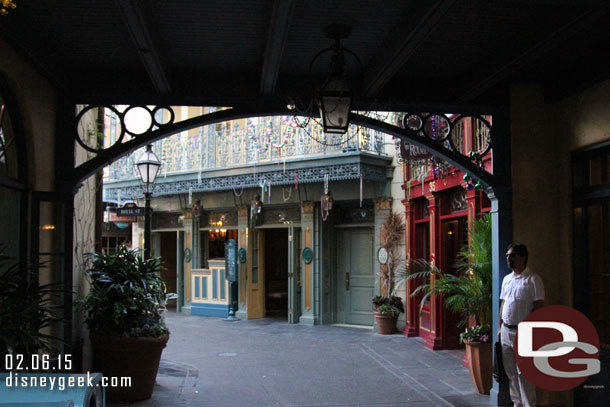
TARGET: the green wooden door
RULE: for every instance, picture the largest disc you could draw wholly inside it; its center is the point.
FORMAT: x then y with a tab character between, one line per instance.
356	278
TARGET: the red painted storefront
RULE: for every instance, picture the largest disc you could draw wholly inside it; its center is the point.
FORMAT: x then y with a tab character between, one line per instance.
437	218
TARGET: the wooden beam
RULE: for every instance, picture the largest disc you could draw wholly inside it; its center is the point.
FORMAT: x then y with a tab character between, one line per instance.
34	48
528	51
418	22
138	21
281	17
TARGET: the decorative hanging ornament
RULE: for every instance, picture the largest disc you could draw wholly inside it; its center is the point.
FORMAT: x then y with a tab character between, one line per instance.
471	184
326	200
284	197
361	194
256	207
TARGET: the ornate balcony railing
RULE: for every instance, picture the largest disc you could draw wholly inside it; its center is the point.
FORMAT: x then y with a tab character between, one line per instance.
253	141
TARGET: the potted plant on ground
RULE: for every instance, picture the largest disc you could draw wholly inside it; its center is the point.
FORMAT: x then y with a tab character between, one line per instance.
387	310
123	314
468	293
27	310
387	306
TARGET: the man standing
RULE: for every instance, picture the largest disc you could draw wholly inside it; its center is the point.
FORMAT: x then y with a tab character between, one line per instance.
522	292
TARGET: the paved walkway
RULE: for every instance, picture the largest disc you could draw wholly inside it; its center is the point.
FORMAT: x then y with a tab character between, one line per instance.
264	363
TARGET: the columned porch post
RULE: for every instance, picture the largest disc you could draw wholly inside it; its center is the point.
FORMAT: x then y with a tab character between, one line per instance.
383	207
242	243
411	306
187	225
309	314
502	227
502	230
196	251
434	341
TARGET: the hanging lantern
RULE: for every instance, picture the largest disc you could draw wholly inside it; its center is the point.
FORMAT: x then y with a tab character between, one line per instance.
334	97
256	205
197	208
327	202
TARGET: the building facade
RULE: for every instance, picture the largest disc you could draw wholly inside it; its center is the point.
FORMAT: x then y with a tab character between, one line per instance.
304	208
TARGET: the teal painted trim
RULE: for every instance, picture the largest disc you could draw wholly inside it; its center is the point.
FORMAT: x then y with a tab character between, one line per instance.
197	287
215	284
210	310
205	287
222	284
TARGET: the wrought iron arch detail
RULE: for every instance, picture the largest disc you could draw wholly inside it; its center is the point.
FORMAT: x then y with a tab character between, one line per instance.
441	147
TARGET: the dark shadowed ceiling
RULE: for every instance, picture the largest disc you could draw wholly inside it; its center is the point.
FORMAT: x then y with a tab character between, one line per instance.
233	52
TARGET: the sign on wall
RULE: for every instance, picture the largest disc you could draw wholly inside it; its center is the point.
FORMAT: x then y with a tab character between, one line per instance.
231	260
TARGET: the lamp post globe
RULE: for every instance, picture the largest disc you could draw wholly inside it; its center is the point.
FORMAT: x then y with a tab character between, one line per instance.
148	166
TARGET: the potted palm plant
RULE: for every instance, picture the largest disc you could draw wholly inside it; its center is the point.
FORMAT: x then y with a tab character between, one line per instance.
387	306
468	293
26	309
123	311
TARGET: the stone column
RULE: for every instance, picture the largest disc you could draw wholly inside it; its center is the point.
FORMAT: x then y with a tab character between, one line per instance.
242	243
309	313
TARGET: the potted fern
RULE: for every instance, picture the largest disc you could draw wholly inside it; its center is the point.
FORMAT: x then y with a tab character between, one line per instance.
387	306
468	293
123	311
27	308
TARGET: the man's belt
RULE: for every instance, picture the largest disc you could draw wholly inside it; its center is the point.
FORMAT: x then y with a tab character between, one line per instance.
509	326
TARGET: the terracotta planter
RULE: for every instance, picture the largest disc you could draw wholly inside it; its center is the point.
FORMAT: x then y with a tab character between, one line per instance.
386	323
480	365
137	358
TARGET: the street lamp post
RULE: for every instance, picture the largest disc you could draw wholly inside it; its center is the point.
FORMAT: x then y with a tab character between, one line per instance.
148	167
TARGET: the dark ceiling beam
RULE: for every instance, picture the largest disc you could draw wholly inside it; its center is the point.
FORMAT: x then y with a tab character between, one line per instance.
138	21
513	59
281	17
18	33
420	19
561	3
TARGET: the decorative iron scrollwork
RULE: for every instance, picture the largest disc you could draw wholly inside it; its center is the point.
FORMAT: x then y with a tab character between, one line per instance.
467	135
131	121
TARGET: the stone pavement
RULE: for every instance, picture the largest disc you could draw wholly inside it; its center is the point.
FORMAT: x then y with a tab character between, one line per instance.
261	363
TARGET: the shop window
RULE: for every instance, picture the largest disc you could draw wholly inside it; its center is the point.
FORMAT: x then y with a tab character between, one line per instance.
216	242
422	210
111	244
13	193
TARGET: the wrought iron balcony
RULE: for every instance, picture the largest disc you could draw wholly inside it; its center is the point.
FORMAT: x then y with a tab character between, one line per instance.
251	142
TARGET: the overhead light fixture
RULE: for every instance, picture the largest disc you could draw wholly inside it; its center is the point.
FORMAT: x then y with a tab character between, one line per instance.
6	6
334	97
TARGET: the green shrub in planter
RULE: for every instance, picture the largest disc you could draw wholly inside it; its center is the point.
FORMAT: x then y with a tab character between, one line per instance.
127	295
123	311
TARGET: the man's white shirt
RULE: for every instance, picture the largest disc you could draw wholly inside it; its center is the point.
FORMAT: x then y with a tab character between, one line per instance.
519	293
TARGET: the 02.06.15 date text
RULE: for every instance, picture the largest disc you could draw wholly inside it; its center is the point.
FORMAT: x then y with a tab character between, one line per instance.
37	362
